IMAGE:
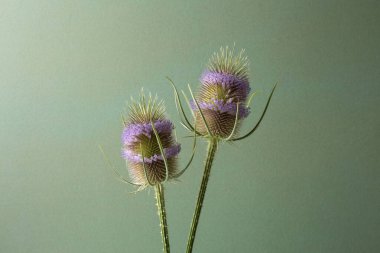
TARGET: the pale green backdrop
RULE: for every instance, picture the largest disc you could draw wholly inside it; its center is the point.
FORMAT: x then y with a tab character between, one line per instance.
307	181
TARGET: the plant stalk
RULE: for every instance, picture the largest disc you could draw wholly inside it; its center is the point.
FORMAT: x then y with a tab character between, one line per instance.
212	147
159	189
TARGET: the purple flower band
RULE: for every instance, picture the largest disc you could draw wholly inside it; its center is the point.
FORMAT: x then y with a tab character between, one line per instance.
221	106
137	158
227	81
132	131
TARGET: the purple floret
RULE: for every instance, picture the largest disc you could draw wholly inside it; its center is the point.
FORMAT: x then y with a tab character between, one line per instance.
137	158
227	81
221	106
132	131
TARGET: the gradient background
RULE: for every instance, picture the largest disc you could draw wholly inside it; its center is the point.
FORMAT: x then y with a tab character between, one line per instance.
307	181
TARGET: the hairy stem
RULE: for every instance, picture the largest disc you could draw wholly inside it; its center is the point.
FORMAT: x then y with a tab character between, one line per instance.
212	147
162	214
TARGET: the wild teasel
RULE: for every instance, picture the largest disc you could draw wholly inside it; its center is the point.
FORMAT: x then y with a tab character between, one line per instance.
151	151
149	147
223	99
223	94
218	108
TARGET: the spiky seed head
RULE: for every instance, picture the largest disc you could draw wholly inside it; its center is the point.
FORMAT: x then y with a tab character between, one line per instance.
140	145
224	91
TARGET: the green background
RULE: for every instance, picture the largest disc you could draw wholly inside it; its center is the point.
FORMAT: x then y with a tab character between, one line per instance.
307	181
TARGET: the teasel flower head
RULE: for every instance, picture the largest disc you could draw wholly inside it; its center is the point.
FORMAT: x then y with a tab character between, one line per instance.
223	100
223	94
149	147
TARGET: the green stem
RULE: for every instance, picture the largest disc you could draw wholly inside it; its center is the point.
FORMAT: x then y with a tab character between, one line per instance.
162	214
212	147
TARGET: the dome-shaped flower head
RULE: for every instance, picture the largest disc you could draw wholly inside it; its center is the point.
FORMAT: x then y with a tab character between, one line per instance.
148	143
223	94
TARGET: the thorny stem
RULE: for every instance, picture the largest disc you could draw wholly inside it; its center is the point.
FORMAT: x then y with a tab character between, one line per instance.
162	214
212	147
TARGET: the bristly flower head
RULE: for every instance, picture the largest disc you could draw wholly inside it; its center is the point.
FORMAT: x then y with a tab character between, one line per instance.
148	143
223	94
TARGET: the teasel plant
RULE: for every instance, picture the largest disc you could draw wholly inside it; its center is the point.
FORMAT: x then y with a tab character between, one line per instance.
218	107
151	152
